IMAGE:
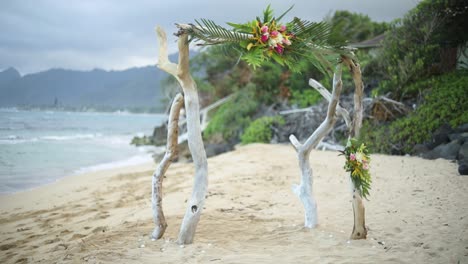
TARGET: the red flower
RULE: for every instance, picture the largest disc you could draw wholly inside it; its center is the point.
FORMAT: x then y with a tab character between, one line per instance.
279	49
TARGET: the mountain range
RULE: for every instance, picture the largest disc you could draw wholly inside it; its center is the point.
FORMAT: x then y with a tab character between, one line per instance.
134	88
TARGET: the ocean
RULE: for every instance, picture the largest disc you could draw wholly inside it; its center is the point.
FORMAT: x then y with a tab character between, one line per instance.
40	147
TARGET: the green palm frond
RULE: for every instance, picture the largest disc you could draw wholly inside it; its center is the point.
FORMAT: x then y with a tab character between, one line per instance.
317	32
284	13
267	15
210	33
309	40
242	28
255	58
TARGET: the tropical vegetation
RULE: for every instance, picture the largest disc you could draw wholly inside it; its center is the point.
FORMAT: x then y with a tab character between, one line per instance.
415	65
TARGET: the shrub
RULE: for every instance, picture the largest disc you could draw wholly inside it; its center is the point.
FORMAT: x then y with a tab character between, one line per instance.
413	45
305	98
444	102
260	129
232	117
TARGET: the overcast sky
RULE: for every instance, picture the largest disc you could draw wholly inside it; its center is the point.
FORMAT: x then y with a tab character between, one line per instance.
36	35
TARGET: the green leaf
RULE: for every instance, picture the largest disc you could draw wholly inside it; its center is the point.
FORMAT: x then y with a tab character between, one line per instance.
243	28
267	14
211	33
278	59
285	12
254	58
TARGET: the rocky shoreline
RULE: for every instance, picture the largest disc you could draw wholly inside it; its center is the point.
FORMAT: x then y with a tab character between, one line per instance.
446	142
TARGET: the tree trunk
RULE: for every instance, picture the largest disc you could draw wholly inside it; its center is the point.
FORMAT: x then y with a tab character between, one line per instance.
359	228
158	176
181	72
305	190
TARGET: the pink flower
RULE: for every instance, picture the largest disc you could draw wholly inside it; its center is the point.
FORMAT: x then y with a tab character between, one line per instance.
283	28
286	41
279	49
264	29
352	156
365	166
274	34
264	38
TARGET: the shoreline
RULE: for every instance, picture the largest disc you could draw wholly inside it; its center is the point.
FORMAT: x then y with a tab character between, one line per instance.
132	161
416	213
71	182
39	147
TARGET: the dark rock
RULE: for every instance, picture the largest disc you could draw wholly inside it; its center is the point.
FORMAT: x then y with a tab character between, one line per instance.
446	151
160	135
463	152
216	149
463	169
158	138
462	129
440	136
462	136
182	155
420	150
301	124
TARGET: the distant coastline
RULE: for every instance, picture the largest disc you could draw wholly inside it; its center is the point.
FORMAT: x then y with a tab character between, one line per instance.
87	109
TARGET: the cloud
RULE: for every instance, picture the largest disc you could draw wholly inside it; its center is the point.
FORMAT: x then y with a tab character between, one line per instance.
43	34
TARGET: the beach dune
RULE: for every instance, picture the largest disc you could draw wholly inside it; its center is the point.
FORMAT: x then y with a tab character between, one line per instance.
417	213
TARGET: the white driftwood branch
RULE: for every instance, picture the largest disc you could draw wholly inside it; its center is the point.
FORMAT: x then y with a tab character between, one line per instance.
294	111
359	228
330	119
327	95
305	190
158	176
355	70
195	141
163	57
330	146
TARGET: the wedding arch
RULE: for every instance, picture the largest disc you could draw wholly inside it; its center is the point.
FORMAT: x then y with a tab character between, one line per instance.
260	40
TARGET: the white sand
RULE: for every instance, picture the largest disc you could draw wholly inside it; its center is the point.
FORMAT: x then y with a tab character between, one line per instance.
417	213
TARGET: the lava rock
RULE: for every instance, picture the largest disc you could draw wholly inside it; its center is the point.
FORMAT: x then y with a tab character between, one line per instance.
420	150
446	151
462	129
463	152
463	169
160	135
462	136
441	136
216	149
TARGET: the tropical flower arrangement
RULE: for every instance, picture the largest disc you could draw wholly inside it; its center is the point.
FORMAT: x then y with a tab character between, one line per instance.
271	37
267	38
357	163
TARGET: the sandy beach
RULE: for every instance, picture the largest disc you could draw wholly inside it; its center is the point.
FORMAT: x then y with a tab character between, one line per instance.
417	213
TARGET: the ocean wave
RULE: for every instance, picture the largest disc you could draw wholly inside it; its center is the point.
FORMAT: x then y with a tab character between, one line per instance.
15	139
9	109
135	160
71	137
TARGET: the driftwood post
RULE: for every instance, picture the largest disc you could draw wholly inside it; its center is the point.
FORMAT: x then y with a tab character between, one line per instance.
305	190
181	72
359	228
158	176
